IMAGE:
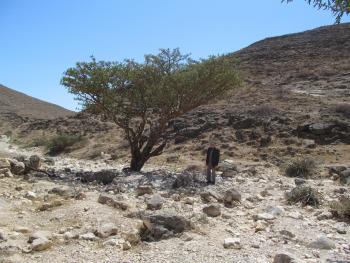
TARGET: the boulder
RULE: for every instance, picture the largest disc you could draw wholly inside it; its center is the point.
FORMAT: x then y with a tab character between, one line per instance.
106	230
155	202
232	243
144	189
232	196
103	176
88	236
109	200
41	244
285	258
212	210
39	234
322	243
162	225
17	167
34	162
345	177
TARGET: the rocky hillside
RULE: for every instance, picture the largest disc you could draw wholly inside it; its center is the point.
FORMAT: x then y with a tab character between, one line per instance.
17	107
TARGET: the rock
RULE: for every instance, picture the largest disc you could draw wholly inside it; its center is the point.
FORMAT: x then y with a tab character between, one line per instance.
22	229
325	215
228	165
34	162
299	181
30	195
132	236
232	243
3	236
103	176
108	200
263	216
125	245
209	196
212	210
188	201
287	233
62	191
322	243
113	242
17	167
88	236
106	230
341	228
155	202
275	210
231	196
345	177
5	163
41	244
48	205
228	174
144	189
285	258
162	225
5	172
39	234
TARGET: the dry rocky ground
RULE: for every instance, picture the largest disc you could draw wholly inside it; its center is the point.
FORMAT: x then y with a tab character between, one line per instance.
55	217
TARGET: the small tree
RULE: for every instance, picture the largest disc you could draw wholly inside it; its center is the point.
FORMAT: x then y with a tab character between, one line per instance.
142	98
338	7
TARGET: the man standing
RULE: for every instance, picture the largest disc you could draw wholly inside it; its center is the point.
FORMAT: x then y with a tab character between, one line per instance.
212	161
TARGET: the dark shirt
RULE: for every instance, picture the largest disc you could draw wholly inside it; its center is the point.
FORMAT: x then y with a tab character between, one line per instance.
213	156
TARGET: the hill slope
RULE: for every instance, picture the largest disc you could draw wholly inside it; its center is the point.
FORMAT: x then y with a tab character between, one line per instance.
15	105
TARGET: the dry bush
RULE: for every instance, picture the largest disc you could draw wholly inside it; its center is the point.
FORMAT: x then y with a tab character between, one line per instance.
341	209
304	195
63	143
300	167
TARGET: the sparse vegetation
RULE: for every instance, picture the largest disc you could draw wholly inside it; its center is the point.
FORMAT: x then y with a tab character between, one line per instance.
341	209
263	111
142	98
63	143
300	167
304	195
8	133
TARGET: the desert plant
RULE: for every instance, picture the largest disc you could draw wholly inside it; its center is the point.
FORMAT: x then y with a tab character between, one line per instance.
339	8
304	195
62	142
343	109
341	209
142	98
300	167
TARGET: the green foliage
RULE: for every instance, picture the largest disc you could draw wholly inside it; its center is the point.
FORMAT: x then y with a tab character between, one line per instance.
37	142
304	195
300	167
143	97
341	209
62	143
339	8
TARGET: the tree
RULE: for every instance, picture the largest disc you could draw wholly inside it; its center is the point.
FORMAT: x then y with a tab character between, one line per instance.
142	98
338	7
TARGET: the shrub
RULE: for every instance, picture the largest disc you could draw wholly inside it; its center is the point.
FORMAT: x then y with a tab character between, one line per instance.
341	209
185	179
8	133
304	195
62	143
38	142
300	167
343	109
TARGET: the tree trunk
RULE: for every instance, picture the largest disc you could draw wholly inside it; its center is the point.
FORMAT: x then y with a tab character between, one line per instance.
136	163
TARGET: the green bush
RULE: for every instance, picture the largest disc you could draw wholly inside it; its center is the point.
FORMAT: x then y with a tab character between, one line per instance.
341	209
304	195
62	143
300	167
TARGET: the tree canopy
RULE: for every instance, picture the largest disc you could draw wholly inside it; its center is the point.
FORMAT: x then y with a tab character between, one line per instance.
339	8
142	98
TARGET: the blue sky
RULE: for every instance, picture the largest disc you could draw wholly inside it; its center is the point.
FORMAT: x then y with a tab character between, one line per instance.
40	39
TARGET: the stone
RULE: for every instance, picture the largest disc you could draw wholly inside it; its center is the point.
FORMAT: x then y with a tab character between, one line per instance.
132	236
284	258
104	176
212	210
125	245
41	244
144	189
30	195
188	201
299	181
232	243
209	196
88	236
34	162
275	210
22	229
3	236
61	191
106	230
162	224
231	196
109	200
113	242
345	177
155	202
322	243
5	163
39	234
17	167
264	216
